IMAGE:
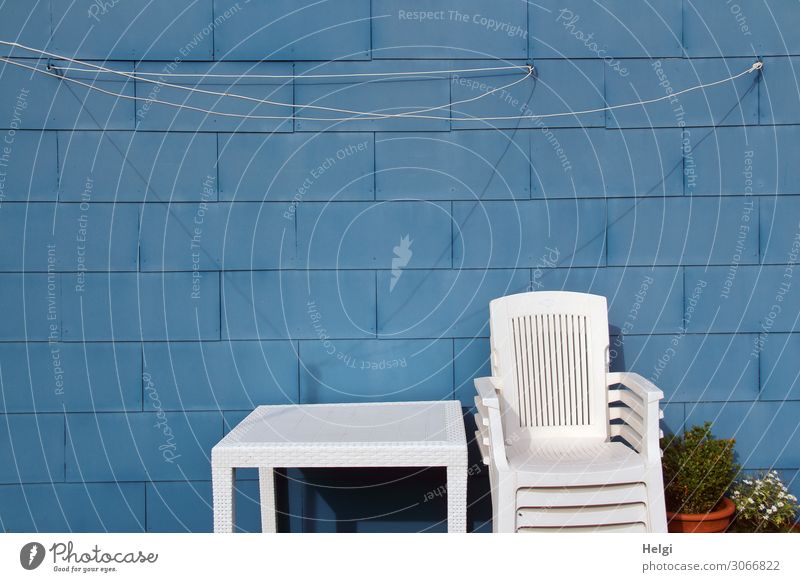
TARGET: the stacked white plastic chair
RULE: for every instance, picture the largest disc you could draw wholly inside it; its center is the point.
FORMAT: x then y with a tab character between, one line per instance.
551	420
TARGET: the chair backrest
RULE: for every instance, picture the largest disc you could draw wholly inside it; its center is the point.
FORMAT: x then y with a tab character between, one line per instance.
551	350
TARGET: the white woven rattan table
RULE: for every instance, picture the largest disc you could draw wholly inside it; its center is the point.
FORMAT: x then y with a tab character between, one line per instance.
388	434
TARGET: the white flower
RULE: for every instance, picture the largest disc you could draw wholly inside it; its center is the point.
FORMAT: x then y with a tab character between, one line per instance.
748	482
774	508
769	512
750	500
736	494
780	503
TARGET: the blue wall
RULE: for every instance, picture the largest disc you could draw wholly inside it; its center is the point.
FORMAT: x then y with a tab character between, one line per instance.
163	272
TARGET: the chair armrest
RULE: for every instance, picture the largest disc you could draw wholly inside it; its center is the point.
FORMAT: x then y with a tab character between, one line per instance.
640	413
490	423
491	434
487	388
642	387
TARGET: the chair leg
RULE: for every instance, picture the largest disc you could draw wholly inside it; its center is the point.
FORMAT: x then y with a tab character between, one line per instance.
656	507
266	484
504	506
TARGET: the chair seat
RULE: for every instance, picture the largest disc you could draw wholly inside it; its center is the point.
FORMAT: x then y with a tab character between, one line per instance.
575	462
587	495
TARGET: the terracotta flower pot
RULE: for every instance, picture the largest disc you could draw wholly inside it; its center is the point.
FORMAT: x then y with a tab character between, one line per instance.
715	521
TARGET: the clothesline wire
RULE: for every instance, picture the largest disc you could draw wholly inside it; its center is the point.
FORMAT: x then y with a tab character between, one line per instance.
371	114
361	115
316	76
260	76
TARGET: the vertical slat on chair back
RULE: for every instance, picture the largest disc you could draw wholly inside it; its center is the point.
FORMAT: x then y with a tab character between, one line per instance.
551	349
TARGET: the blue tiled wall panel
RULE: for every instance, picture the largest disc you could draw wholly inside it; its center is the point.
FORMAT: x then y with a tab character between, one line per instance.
123	166
360	235
615	28
374	95
32	448
765	432
779	375
35	309
132	306
588	163
181	237
471	165
556	87
529	234
743	160
441	29
470	361
39	101
186	506
300	167
26	23
257	236
746	27
674	420
28	238
640	299
135	29
732	103
219	375
303	289
780	230
691	368
375	370
238	104
248	509
161	446
211	236
778	95
73	507
179	506
53	377
29	170
682	231
291	30
442	303
298	304
86	237
97	237
744	299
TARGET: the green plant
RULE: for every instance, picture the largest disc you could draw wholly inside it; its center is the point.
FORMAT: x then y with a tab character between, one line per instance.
763	504
698	470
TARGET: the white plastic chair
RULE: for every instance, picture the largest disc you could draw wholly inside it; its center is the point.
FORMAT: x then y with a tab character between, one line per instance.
550	423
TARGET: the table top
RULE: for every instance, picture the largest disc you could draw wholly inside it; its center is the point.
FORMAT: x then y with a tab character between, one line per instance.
384	424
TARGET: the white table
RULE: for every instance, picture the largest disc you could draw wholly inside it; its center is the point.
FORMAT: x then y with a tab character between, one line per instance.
387	434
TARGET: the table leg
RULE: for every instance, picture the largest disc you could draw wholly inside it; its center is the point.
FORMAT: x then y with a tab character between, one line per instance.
224	502
266	481
457	498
